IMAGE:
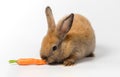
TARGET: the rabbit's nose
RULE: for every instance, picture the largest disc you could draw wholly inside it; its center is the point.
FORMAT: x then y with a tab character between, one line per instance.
44	57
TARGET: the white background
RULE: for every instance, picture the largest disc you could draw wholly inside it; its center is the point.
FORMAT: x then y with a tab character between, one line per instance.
23	25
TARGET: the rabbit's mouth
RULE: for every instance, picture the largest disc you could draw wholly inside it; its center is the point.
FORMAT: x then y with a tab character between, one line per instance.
53	61
49	59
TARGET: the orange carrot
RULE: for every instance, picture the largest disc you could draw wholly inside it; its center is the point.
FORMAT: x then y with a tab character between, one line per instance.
28	61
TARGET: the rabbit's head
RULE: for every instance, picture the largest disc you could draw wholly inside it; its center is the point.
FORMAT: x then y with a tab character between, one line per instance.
51	45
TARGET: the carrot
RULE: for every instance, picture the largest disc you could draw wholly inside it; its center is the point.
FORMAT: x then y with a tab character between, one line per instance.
28	61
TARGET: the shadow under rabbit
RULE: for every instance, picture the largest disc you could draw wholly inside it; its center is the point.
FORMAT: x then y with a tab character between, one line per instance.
100	52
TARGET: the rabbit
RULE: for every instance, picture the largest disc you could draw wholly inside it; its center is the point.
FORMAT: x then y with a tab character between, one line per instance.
70	40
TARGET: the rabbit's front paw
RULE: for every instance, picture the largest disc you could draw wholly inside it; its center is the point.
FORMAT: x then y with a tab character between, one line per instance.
69	62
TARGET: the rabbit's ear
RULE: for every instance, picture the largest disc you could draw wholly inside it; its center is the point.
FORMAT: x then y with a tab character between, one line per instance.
50	18
66	25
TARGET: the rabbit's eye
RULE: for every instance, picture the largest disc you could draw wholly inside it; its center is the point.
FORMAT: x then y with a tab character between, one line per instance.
54	48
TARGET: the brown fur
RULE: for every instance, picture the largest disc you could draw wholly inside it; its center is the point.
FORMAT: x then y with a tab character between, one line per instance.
75	40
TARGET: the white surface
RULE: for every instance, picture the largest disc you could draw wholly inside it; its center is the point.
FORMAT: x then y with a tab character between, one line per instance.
23	25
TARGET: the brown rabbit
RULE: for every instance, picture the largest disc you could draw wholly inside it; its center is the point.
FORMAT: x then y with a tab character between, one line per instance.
70	40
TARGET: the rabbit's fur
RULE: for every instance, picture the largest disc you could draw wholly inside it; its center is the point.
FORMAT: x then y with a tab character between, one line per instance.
70	40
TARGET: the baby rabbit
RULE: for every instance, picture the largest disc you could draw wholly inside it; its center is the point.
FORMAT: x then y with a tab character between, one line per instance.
71	39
